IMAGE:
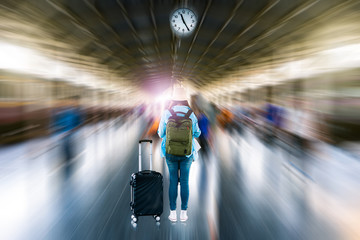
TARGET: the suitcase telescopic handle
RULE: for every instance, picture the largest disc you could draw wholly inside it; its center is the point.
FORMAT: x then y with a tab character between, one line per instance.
141	141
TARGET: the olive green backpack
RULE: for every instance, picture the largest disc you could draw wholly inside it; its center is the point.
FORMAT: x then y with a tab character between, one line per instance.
179	134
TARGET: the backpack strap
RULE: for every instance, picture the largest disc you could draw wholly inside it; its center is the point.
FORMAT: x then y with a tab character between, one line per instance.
172	112
187	115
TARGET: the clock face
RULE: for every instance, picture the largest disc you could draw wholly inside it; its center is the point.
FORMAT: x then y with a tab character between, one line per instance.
183	21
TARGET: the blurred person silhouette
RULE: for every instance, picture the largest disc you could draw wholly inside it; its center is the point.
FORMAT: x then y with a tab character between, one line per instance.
273	115
154	121
297	122
178	127
212	111
67	121
153	124
203	122
239	115
225	118
199	107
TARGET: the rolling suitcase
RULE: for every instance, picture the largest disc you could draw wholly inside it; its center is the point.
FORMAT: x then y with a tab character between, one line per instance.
146	191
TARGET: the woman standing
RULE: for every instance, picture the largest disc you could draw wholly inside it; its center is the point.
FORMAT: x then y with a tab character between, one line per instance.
179	108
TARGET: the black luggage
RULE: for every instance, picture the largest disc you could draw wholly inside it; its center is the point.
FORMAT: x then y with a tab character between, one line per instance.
146	191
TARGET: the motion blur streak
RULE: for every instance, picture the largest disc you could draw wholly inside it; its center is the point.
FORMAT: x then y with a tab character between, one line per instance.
274	85
266	180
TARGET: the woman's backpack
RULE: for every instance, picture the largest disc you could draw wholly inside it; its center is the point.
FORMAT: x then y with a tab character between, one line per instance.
179	134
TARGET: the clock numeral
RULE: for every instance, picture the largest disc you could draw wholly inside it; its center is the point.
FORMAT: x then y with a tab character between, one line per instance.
183	11
175	25
176	16
173	20
192	16
183	29
191	25
193	21
179	13
188	12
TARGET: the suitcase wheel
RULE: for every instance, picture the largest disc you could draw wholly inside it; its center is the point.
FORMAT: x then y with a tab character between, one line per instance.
157	218
134	218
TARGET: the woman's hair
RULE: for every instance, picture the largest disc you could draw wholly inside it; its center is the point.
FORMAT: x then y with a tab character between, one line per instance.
182	103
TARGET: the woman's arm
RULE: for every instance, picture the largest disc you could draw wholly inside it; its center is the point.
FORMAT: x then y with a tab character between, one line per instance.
195	126
162	125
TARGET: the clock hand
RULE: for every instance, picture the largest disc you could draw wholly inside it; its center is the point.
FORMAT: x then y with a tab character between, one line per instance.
184	22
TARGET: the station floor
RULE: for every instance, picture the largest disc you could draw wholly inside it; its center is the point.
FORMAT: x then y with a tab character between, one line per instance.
243	189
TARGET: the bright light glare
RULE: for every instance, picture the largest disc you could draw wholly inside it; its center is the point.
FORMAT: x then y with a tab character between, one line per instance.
163	97
342	57
337	59
14	57
25	60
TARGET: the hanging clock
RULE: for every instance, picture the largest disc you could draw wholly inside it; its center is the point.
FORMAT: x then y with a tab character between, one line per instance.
183	21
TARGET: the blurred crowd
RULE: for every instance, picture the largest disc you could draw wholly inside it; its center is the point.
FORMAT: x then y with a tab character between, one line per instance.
295	121
297	114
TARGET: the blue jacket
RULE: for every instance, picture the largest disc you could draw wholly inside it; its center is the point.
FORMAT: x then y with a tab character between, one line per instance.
66	120
162	128
204	125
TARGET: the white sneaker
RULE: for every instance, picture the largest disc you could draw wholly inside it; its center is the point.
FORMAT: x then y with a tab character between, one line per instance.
183	215
172	216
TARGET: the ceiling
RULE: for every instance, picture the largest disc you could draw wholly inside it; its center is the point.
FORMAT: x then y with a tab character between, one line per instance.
131	41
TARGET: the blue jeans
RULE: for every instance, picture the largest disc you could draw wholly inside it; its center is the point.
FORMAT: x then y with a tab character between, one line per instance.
173	165
68	147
